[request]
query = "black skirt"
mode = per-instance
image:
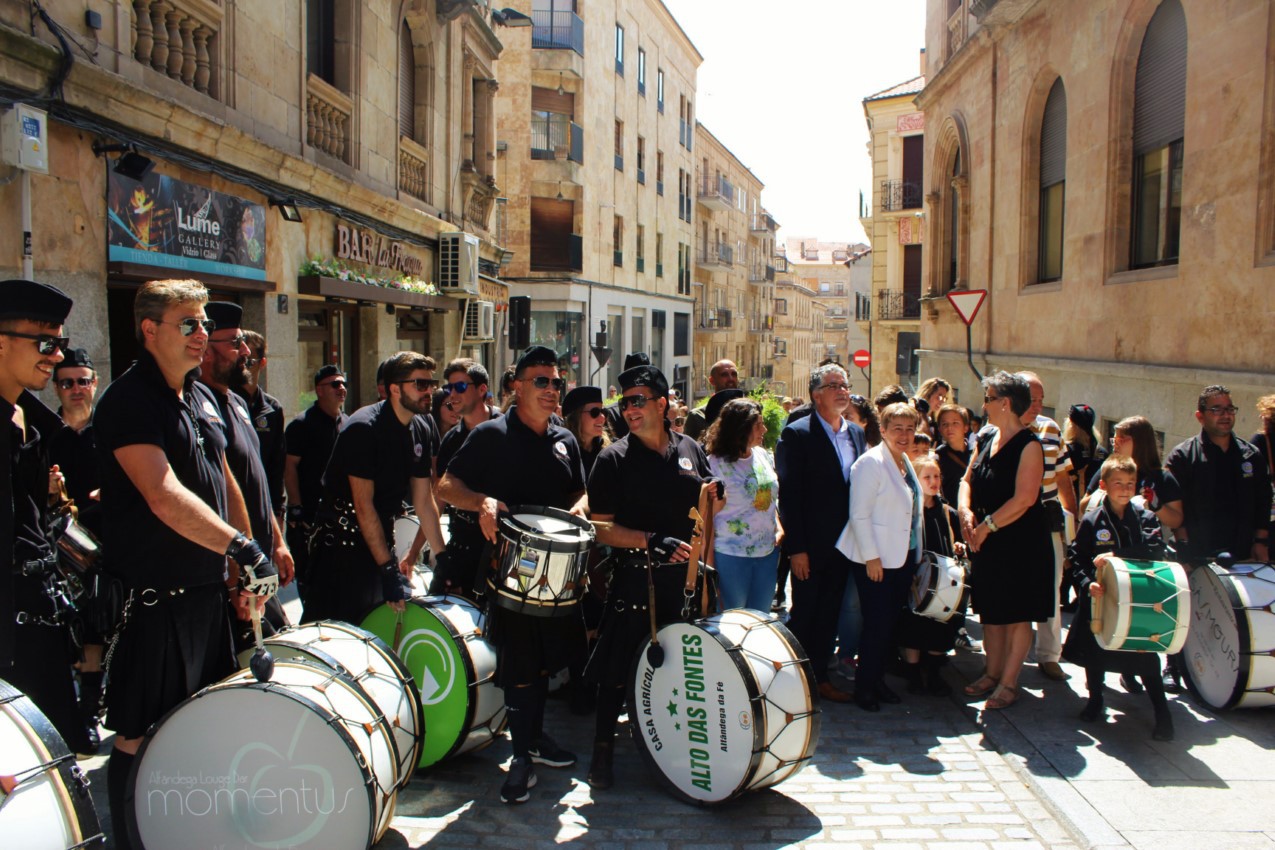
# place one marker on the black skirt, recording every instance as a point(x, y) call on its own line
point(529, 647)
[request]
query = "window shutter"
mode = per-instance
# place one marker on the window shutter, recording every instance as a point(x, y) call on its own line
point(1159, 108)
point(548, 100)
point(1053, 137)
point(406, 84)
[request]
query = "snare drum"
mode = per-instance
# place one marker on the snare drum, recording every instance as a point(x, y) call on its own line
point(405, 528)
point(48, 807)
point(541, 558)
point(440, 641)
point(303, 761)
point(1229, 659)
point(1144, 606)
point(941, 587)
point(733, 708)
point(366, 659)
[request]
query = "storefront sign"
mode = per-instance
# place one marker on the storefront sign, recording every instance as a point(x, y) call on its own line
point(162, 221)
point(366, 246)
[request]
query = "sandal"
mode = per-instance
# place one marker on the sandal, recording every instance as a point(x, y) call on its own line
point(1000, 703)
point(982, 686)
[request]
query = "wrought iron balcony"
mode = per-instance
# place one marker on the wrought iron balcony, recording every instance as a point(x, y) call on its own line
point(715, 254)
point(899, 195)
point(556, 133)
point(763, 223)
point(717, 193)
point(557, 30)
point(898, 305)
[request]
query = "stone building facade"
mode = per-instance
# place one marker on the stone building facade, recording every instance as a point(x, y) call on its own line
point(1106, 168)
point(831, 270)
point(800, 322)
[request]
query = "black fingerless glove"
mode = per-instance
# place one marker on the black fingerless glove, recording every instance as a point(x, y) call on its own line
point(661, 548)
point(394, 585)
point(256, 574)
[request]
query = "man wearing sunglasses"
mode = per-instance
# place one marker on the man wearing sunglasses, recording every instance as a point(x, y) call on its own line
point(35, 641)
point(645, 483)
point(309, 440)
point(380, 460)
point(173, 520)
point(521, 458)
point(466, 382)
point(723, 376)
point(223, 363)
point(267, 416)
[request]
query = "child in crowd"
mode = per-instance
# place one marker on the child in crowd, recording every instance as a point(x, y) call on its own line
point(1114, 526)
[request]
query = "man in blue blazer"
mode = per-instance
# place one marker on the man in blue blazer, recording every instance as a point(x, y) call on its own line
point(813, 459)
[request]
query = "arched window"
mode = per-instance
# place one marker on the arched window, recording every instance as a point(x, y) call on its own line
point(1053, 182)
point(1159, 116)
point(406, 83)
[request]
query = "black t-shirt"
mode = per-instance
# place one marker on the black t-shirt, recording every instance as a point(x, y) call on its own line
point(1157, 487)
point(952, 466)
point(243, 456)
point(310, 438)
point(139, 408)
point(504, 459)
point(647, 491)
point(375, 446)
point(29, 467)
point(1226, 495)
point(266, 414)
point(75, 454)
point(454, 439)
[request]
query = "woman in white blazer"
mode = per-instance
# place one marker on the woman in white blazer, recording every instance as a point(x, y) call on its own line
point(882, 540)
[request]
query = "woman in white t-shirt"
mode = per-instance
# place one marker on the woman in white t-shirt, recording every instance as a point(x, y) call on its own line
point(747, 532)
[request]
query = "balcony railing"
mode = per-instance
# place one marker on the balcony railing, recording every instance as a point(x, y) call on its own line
point(413, 169)
point(716, 254)
point(898, 305)
point(762, 324)
point(558, 30)
point(761, 274)
point(556, 134)
point(900, 195)
point(328, 113)
point(763, 223)
point(716, 192)
point(711, 319)
point(178, 38)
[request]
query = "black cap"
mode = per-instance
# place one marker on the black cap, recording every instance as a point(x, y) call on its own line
point(73, 357)
point(36, 302)
point(579, 397)
point(1082, 415)
point(645, 376)
point(327, 372)
point(715, 404)
point(637, 358)
point(226, 314)
point(537, 355)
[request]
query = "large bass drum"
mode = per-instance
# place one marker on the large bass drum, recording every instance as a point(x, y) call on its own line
point(440, 640)
point(733, 707)
point(44, 796)
point(1229, 657)
point(305, 760)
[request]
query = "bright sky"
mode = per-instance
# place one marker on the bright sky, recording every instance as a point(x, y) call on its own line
point(782, 86)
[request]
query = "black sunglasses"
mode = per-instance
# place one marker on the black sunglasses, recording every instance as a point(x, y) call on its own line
point(457, 387)
point(234, 341)
point(44, 343)
point(188, 325)
point(638, 401)
point(594, 412)
point(421, 384)
point(542, 382)
point(336, 385)
point(855, 398)
point(68, 383)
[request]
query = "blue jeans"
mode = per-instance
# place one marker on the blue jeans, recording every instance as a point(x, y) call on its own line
point(747, 582)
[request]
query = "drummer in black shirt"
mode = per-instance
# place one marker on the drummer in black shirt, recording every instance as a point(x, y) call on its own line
point(171, 517)
point(466, 383)
point(381, 458)
point(267, 416)
point(35, 643)
point(646, 484)
point(522, 458)
point(222, 367)
point(309, 439)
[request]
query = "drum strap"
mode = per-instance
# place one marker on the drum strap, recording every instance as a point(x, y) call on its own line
point(701, 547)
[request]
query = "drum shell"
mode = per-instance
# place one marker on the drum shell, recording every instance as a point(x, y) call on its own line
point(941, 588)
point(1142, 602)
point(1227, 660)
point(539, 573)
point(53, 810)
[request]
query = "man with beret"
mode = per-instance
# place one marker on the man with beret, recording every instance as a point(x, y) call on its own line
point(172, 517)
point(309, 439)
point(583, 413)
point(615, 418)
point(723, 376)
point(381, 459)
point(223, 365)
point(267, 416)
point(522, 458)
point(35, 640)
point(645, 485)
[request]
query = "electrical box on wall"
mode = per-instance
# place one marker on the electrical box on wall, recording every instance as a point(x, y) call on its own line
point(24, 138)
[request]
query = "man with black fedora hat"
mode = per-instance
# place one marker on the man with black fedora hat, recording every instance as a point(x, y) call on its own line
point(521, 458)
point(309, 439)
point(35, 645)
point(615, 419)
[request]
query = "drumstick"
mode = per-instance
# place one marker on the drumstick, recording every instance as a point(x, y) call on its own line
point(1095, 615)
point(262, 662)
point(602, 525)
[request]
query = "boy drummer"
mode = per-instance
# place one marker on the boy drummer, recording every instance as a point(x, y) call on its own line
point(1115, 526)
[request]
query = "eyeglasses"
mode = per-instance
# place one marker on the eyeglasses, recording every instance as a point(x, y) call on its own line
point(336, 385)
point(638, 401)
point(457, 387)
point(234, 342)
point(188, 325)
point(68, 383)
point(1218, 410)
point(251, 361)
point(542, 382)
point(44, 343)
point(421, 384)
point(841, 388)
point(594, 412)
point(679, 421)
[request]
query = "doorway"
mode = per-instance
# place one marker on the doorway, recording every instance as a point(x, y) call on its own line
point(328, 333)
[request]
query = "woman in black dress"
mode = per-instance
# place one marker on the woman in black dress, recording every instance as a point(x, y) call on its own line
point(1005, 526)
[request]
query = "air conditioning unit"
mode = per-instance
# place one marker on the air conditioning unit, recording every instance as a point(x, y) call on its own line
point(458, 263)
point(480, 321)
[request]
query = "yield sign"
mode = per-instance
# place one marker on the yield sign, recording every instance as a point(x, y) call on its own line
point(966, 303)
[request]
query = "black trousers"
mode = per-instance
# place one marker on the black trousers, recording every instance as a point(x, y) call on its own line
point(882, 605)
point(816, 607)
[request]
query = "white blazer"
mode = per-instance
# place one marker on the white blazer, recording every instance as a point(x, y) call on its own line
point(883, 513)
